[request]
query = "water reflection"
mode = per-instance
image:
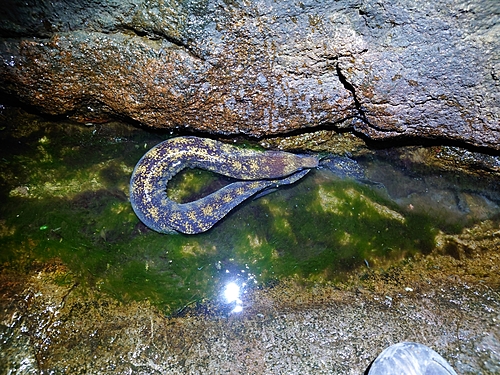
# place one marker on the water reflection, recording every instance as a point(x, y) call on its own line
point(66, 198)
point(232, 296)
point(235, 284)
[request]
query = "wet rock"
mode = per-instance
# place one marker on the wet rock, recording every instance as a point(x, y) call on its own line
point(94, 309)
point(385, 71)
point(329, 141)
point(439, 301)
point(451, 184)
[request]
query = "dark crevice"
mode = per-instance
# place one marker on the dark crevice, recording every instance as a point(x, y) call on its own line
point(140, 33)
point(406, 140)
point(352, 90)
point(337, 126)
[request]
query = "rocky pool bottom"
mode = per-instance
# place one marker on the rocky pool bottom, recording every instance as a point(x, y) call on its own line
point(449, 304)
point(331, 271)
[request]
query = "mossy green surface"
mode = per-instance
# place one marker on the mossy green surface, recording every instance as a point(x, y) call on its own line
point(64, 190)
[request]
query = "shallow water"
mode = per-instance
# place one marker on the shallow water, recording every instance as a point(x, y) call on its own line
point(64, 189)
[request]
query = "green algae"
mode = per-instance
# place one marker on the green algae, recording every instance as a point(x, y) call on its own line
point(65, 195)
point(298, 236)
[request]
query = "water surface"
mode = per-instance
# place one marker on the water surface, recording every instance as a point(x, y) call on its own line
point(64, 193)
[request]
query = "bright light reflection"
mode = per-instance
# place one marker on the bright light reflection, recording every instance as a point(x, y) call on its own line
point(237, 309)
point(232, 295)
point(232, 292)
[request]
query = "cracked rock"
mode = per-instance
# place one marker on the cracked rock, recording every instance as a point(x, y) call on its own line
point(384, 70)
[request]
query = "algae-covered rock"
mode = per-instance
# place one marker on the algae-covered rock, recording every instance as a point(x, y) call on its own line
point(330, 271)
point(48, 323)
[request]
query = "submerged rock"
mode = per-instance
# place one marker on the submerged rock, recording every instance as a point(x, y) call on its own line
point(331, 271)
point(262, 68)
point(439, 301)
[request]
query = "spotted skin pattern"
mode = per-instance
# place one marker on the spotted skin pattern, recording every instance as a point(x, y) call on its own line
point(256, 170)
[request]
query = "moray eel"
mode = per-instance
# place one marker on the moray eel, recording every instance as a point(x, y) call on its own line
point(255, 170)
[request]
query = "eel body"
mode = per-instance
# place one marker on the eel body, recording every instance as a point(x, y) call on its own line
point(254, 170)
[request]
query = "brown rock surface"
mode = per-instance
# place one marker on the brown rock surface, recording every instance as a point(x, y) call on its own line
point(260, 68)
